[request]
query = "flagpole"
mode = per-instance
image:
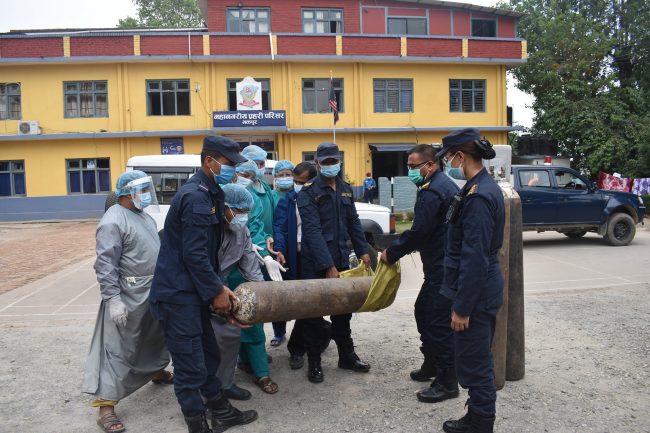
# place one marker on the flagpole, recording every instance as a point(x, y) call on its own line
point(333, 114)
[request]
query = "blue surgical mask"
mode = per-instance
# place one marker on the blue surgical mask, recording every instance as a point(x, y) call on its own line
point(142, 200)
point(226, 174)
point(241, 180)
point(455, 172)
point(239, 222)
point(415, 176)
point(330, 170)
point(297, 187)
point(260, 173)
point(284, 183)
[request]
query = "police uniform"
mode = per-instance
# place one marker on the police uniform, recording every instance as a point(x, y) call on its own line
point(329, 219)
point(474, 283)
point(185, 282)
point(432, 310)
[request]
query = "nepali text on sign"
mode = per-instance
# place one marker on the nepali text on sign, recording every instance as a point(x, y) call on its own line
point(239, 119)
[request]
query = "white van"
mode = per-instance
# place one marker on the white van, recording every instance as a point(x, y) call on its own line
point(170, 172)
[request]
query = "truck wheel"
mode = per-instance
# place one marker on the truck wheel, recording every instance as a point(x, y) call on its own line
point(373, 256)
point(620, 230)
point(575, 234)
point(111, 199)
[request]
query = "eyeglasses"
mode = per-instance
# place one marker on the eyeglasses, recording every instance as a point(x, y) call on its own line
point(447, 160)
point(411, 167)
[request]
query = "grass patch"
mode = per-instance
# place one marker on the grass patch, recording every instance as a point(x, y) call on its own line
point(402, 226)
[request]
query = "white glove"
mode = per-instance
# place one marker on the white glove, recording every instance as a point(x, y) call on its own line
point(117, 310)
point(273, 268)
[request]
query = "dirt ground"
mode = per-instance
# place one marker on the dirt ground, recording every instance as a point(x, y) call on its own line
point(31, 251)
point(587, 353)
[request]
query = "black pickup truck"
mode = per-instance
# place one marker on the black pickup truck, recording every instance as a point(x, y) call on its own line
point(555, 198)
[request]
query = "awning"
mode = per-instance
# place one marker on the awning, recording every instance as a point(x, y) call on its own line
point(391, 147)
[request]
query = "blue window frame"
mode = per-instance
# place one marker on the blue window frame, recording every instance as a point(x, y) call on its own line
point(12, 178)
point(88, 176)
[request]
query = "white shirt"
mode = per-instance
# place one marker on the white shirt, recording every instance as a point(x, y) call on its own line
point(298, 227)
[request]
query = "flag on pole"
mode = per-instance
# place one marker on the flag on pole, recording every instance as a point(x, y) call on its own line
point(334, 106)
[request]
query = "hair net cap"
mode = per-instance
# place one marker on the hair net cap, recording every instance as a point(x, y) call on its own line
point(124, 179)
point(247, 167)
point(237, 197)
point(282, 165)
point(254, 152)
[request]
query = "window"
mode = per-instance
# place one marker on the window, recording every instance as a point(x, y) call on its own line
point(266, 93)
point(9, 101)
point(242, 20)
point(467, 95)
point(315, 95)
point(12, 178)
point(534, 178)
point(322, 21)
point(569, 181)
point(407, 26)
point(85, 99)
point(393, 96)
point(484, 28)
point(168, 98)
point(88, 176)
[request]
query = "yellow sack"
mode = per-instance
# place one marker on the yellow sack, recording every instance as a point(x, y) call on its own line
point(384, 287)
point(359, 271)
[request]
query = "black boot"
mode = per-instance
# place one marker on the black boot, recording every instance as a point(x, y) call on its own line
point(444, 387)
point(314, 369)
point(481, 424)
point(428, 369)
point(458, 425)
point(224, 415)
point(296, 361)
point(349, 360)
point(197, 424)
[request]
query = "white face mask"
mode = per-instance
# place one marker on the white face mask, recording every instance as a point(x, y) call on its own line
point(241, 180)
point(297, 187)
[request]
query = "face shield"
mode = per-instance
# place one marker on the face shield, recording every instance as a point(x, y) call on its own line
point(143, 194)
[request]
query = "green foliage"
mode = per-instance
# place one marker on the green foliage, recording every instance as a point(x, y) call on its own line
point(165, 13)
point(589, 72)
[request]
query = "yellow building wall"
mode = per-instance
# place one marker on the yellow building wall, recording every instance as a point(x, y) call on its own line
point(42, 99)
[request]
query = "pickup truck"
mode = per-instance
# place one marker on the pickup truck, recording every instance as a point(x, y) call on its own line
point(170, 172)
point(555, 198)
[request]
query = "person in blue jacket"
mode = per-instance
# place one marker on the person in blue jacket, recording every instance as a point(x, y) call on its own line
point(329, 219)
point(473, 280)
point(287, 231)
point(186, 284)
point(369, 188)
point(427, 235)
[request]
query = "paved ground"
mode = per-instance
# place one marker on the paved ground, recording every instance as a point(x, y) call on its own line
point(587, 363)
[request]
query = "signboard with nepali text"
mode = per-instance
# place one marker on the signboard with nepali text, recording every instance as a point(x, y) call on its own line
point(252, 118)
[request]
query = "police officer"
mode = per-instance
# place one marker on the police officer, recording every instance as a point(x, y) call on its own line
point(473, 280)
point(329, 220)
point(186, 283)
point(427, 235)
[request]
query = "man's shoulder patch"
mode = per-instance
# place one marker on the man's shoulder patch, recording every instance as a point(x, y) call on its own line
point(203, 188)
point(346, 194)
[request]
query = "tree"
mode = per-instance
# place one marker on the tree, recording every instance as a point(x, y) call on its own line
point(589, 72)
point(164, 13)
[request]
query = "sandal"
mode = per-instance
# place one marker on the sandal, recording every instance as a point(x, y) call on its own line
point(277, 340)
point(108, 421)
point(267, 385)
point(163, 377)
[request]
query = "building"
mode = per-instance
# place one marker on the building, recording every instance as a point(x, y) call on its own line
point(76, 104)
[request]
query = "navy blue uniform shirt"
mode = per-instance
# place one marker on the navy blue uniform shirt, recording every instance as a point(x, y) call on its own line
point(473, 277)
point(187, 267)
point(329, 220)
point(428, 232)
point(285, 233)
